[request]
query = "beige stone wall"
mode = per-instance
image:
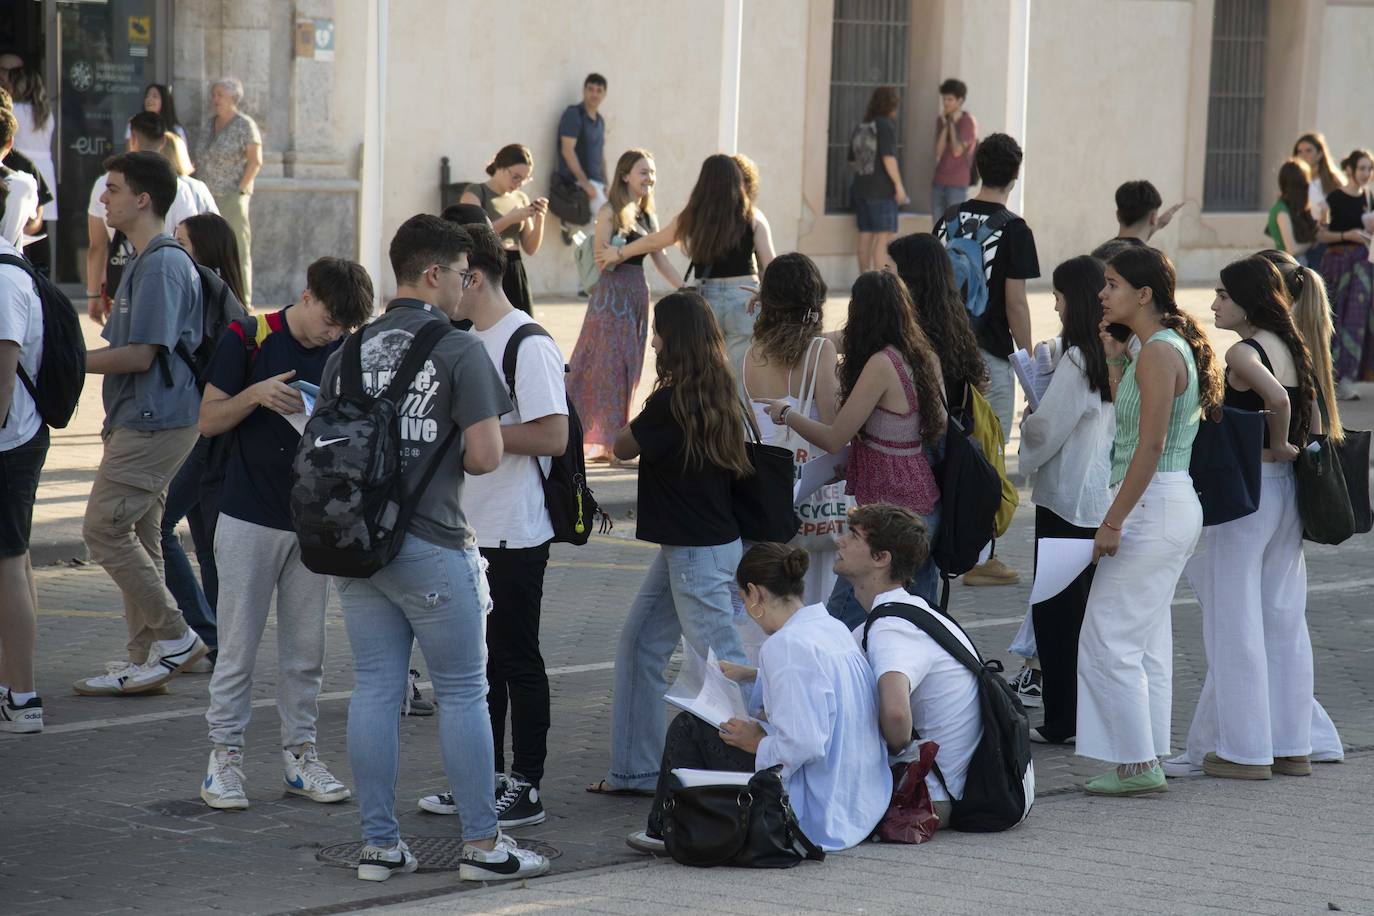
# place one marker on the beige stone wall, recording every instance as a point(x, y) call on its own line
point(1345, 112)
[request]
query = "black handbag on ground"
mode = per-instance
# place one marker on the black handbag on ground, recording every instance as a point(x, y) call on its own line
point(762, 501)
point(750, 826)
point(1225, 466)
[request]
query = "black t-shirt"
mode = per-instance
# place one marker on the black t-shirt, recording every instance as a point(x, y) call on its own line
point(684, 508)
point(1008, 254)
point(1346, 210)
point(21, 163)
point(879, 184)
point(257, 480)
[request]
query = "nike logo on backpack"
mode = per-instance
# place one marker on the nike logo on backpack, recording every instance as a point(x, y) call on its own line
point(321, 442)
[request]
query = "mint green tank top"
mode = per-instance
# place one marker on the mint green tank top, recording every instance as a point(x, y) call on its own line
point(1183, 418)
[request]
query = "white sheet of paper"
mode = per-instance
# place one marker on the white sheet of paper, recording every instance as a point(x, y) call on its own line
point(703, 689)
point(692, 778)
point(298, 420)
point(1058, 562)
point(1023, 364)
point(818, 472)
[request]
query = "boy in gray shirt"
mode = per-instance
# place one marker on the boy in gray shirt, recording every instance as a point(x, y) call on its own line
point(151, 406)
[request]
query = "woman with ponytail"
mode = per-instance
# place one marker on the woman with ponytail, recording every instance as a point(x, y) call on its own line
point(1125, 650)
point(1256, 713)
point(518, 220)
point(1312, 318)
point(822, 713)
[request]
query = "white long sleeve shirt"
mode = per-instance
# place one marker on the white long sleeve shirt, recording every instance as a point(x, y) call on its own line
point(1067, 444)
point(820, 699)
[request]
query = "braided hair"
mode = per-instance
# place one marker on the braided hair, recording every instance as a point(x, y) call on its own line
point(1143, 266)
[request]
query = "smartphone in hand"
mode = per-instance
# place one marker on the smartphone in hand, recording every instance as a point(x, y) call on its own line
point(305, 387)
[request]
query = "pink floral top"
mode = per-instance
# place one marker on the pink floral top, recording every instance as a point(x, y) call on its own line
point(887, 460)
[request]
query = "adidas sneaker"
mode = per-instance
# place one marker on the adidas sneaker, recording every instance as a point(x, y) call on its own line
point(24, 719)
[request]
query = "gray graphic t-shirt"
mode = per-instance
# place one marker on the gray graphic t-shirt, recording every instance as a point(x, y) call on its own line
point(158, 302)
point(456, 385)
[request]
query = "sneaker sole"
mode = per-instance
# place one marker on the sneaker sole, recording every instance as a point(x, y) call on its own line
point(223, 804)
point(523, 821)
point(157, 689)
point(382, 872)
point(470, 872)
point(321, 797)
point(21, 727)
point(431, 808)
point(1236, 771)
point(646, 848)
point(1163, 787)
point(1030, 702)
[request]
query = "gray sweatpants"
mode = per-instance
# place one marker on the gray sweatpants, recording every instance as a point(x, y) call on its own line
point(253, 561)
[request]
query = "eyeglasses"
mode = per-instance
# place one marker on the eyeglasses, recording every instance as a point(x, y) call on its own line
point(466, 275)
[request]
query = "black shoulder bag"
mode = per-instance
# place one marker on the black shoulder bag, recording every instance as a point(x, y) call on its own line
point(750, 826)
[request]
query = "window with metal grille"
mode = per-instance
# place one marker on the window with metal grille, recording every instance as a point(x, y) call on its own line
point(868, 50)
point(1235, 106)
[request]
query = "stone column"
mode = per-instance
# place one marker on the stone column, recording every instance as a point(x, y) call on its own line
point(311, 151)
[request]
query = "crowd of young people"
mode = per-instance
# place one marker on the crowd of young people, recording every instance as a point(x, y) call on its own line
point(1110, 446)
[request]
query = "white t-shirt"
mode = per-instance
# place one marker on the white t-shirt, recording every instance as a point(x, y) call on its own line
point(21, 205)
point(944, 694)
point(193, 198)
point(21, 320)
point(506, 507)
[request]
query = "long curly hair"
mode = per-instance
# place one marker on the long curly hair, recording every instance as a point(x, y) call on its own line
point(925, 268)
point(1079, 280)
point(1142, 266)
point(691, 361)
point(1256, 285)
point(718, 213)
point(1312, 318)
point(791, 308)
point(881, 315)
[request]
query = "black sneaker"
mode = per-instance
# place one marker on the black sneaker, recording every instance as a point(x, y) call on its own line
point(415, 703)
point(26, 719)
point(519, 805)
point(443, 802)
point(1030, 687)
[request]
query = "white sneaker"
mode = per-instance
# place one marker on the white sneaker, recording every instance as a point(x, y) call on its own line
point(200, 666)
point(504, 863)
point(306, 775)
point(640, 841)
point(24, 720)
point(223, 785)
point(1180, 767)
point(376, 863)
point(166, 659)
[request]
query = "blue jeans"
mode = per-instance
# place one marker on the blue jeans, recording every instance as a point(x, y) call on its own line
point(844, 606)
point(435, 596)
point(729, 303)
point(197, 605)
point(686, 592)
point(944, 196)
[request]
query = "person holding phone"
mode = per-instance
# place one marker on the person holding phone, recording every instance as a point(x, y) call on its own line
point(517, 219)
point(251, 391)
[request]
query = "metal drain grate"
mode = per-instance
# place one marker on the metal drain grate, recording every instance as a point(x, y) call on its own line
point(435, 853)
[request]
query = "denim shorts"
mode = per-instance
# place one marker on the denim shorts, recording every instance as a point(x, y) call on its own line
point(876, 214)
point(20, 468)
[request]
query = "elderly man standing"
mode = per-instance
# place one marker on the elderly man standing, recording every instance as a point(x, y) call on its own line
point(229, 159)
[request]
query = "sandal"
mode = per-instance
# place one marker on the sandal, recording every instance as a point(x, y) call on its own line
point(602, 787)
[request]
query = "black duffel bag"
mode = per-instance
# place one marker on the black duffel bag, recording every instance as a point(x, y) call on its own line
point(751, 826)
point(568, 201)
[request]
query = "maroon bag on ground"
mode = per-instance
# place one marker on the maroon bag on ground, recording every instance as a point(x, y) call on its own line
point(910, 816)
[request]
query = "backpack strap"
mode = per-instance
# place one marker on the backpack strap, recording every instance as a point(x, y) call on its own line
point(512, 352)
point(925, 621)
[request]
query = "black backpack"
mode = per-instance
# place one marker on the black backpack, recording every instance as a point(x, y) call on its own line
point(219, 307)
point(62, 368)
point(1000, 786)
point(349, 507)
point(970, 495)
point(572, 507)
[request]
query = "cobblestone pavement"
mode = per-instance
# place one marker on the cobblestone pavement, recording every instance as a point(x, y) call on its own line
point(101, 812)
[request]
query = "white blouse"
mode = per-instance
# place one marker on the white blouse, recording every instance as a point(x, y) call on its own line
point(1067, 443)
point(820, 699)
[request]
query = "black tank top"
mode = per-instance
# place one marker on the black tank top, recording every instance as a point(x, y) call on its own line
point(737, 262)
point(1250, 400)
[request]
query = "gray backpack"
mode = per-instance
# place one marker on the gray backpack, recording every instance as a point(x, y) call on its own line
point(349, 507)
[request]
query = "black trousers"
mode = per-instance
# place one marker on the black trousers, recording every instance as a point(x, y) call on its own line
point(696, 745)
point(515, 667)
point(1057, 622)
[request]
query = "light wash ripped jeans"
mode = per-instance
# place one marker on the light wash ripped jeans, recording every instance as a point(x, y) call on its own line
point(435, 596)
point(686, 592)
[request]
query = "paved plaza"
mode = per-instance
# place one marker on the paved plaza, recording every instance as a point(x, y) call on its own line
point(101, 813)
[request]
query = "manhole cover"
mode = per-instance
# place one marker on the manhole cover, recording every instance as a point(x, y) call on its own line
point(435, 853)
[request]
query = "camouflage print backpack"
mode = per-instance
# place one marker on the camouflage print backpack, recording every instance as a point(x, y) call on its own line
point(348, 501)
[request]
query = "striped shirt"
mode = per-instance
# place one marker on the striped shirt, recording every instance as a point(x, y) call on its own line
point(1183, 418)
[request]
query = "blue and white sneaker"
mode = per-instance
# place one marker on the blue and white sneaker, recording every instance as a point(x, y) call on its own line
point(306, 775)
point(377, 863)
point(166, 659)
point(222, 787)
